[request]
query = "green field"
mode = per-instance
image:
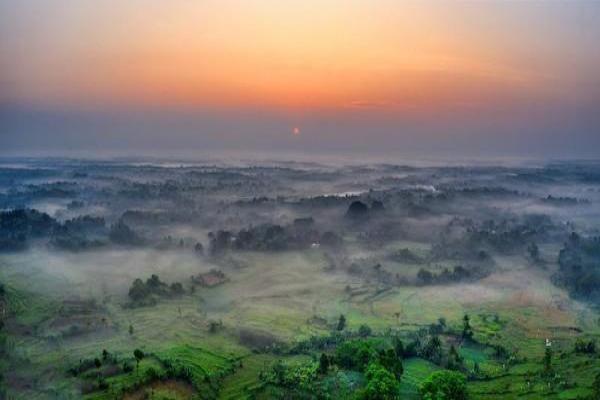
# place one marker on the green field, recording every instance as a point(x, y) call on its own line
point(279, 299)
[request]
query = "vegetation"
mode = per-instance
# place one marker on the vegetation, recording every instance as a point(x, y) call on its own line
point(145, 293)
point(117, 289)
point(444, 385)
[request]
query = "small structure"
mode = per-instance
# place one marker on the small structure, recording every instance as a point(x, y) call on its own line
point(212, 278)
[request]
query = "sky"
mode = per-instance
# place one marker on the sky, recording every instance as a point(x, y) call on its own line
point(514, 78)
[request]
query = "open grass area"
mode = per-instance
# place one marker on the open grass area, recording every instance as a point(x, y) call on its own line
point(415, 371)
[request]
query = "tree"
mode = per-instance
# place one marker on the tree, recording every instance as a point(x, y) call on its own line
point(381, 383)
point(177, 288)
point(139, 355)
point(476, 369)
point(323, 363)
point(444, 385)
point(97, 363)
point(534, 252)
point(585, 347)
point(398, 347)
point(355, 354)
point(425, 277)
point(357, 209)
point(548, 360)
point(390, 361)
point(467, 332)
point(138, 290)
point(341, 323)
point(364, 330)
point(433, 349)
point(455, 361)
point(105, 354)
point(596, 386)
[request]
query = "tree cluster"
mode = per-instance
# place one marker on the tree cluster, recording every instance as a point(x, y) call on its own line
point(145, 293)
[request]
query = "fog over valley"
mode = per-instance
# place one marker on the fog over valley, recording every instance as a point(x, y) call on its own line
point(125, 278)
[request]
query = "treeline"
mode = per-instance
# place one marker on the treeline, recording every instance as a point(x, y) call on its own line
point(20, 228)
point(272, 237)
point(457, 274)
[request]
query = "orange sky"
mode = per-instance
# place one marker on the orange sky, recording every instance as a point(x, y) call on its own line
point(506, 76)
point(281, 54)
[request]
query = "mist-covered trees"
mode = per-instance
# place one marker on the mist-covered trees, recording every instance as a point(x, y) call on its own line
point(579, 268)
point(145, 293)
point(457, 274)
point(357, 210)
point(271, 237)
point(120, 233)
point(17, 227)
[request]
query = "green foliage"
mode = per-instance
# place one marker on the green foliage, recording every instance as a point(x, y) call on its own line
point(294, 376)
point(355, 354)
point(432, 350)
point(381, 383)
point(444, 385)
point(390, 361)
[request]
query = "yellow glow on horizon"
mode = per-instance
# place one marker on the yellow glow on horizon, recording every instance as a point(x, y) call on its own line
point(281, 54)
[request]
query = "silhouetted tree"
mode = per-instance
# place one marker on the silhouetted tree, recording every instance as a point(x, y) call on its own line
point(364, 330)
point(139, 355)
point(323, 363)
point(341, 323)
point(548, 360)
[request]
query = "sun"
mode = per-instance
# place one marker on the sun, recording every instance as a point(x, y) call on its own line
point(296, 131)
